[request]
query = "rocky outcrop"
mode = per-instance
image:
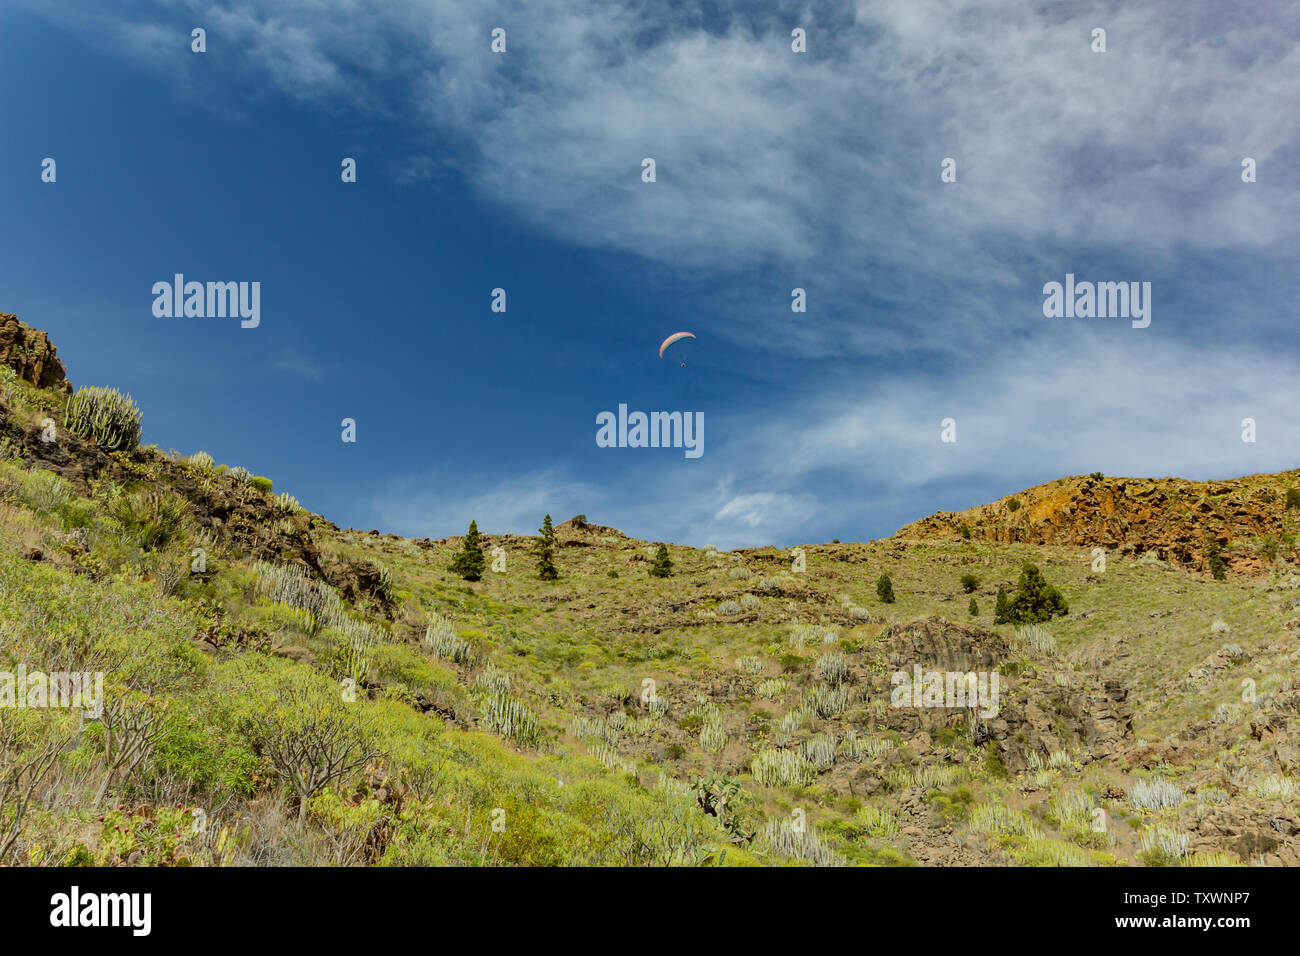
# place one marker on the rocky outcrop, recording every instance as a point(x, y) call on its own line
point(31, 354)
point(1174, 518)
point(1088, 716)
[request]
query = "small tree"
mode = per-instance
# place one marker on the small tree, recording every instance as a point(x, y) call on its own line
point(546, 569)
point(1000, 605)
point(469, 562)
point(663, 566)
point(885, 589)
point(1215, 557)
point(311, 738)
point(1034, 602)
point(974, 608)
point(969, 582)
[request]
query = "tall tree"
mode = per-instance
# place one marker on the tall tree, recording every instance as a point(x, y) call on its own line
point(469, 562)
point(546, 569)
point(663, 566)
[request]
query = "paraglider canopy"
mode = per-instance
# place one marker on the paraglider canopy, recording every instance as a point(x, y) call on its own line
point(675, 337)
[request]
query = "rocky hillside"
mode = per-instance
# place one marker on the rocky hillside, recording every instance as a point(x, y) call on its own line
point(741, 710)
point(31, 355)
point(1171, 519)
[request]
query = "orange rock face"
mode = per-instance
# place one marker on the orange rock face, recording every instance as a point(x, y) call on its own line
point(31, 354)
point(1248, 517)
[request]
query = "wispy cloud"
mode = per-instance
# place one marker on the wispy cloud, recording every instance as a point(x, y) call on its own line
point(416, 169)
point(438, 505)
point(296, 365)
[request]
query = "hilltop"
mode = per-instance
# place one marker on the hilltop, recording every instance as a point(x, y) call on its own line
point(613, 717)
point(1171, 519)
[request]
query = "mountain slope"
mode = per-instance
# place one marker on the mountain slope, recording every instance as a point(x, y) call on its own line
point(613, 717)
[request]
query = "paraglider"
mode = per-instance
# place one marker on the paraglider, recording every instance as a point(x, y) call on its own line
point(675, 337)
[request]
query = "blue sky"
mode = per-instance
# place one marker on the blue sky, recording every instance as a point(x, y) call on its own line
point(775, 170)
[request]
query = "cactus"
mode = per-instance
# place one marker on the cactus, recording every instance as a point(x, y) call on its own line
point(202, 461)
point(446, 643)
point(782, 768)
point(833, 668)
point(493, 679)
point(819, 750)
point(805, 843)
point(1156, 795)
point(105, 416)
point(1039, 638)
point(713, 737)
point(506, 716)
point(828, 702)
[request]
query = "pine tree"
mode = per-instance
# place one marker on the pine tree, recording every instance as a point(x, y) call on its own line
point(469, 562)
point(663, 566)
point(1000, 606)
point(546, 569)
point(885, 589)
point(974, 608)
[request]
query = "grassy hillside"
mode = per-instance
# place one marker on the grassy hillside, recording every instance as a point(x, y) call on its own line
point(282, 691)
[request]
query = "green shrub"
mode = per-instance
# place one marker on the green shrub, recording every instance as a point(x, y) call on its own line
point(969, 582)
point(152, 520)
point(1214, 556)
point(974, 608)
point(885, 589)
point(1013, 504)
point(105, 416)
point(1034, 602)
point(260, 483)
point(1293, 498)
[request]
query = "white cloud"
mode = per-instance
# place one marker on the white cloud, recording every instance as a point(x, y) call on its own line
point(433, 505)
point(828, 160)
